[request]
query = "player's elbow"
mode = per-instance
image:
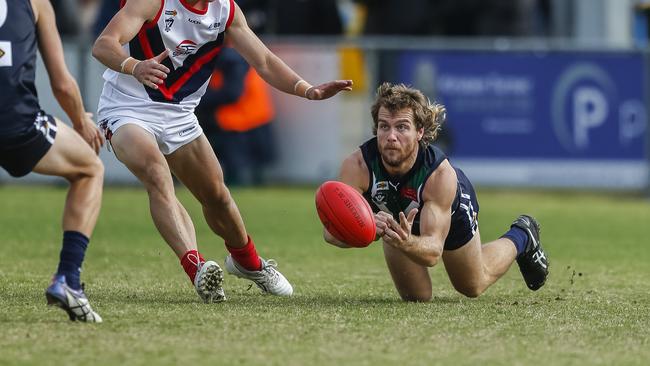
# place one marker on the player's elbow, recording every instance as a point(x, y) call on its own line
point(98, 47)
point(266, 66)
point(330, 239)
point(63, 86)
point(431, 260)
point(95, 51)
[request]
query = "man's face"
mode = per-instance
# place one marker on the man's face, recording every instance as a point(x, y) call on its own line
point(397, 136)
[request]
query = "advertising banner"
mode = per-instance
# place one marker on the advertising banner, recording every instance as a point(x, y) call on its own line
point(566, 111)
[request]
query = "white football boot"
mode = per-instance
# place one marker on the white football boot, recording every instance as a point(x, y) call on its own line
point(74, 302)
point(268, 279)
point(208, 282)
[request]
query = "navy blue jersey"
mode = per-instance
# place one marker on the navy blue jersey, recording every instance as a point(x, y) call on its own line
point(399, 194)
point(402, 194)
point(18, 99)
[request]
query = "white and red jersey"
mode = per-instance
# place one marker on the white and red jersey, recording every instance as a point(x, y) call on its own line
point(193, 37)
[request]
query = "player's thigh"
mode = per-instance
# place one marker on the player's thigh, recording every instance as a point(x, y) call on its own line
point(69, 156)
point(196, 165)
point(138, 150)
point(465, 264)
point(411, 279)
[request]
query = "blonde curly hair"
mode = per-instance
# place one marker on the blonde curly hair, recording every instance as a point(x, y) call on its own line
point(428, 116)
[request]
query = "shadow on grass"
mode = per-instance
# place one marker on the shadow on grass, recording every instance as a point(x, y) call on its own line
point(253, 298)
point(147, 298)
point(331, 300)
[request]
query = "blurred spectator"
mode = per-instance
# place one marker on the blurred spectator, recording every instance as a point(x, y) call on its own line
point(257, 14)
point(306, 17)
point(68, 20)
point(107, 9)
point(641, 28)
point(87, 13)
point(75, 17)
point(541, 18)
point(487, 17)
point(399, 17)
point(456, 17)
point(289, 17)
point(293, 17)
point(235, 114)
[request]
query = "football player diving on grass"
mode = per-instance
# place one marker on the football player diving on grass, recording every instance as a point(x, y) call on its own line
point(160, 55)
point(426, 209)
point(33, 141)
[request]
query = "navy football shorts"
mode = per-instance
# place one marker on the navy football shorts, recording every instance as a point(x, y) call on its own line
point(464, 219)
point(20, 152)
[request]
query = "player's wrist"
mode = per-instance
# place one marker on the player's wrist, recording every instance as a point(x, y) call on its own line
point(128, 65)
point(78, 125)
point(301, 88)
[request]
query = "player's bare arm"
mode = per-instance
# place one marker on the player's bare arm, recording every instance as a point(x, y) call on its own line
point(64, 86)
point(435, 220)
point(272, 69)
point(124, 26)
point(355, 174)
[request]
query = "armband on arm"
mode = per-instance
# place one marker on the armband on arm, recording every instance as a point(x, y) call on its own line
point(125, 68)
point(301, 88)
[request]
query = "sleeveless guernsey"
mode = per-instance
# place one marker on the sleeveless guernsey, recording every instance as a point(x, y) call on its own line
point(194, 38)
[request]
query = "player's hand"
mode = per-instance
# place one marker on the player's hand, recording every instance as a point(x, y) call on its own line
point(152, 72)
point(381, 223)
point(328, 90)
point(399, 234)
point(334, 241)
point(90, 132)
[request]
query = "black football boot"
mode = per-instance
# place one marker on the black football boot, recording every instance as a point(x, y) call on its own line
point(533, 263)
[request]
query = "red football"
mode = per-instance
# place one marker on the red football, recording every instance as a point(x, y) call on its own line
point(345, 214)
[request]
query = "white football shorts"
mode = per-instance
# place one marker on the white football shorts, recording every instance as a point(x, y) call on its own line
point(173, 125)
point(170, 135)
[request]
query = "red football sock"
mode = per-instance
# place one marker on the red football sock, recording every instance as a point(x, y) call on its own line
point(190, 263)
point(246, 256)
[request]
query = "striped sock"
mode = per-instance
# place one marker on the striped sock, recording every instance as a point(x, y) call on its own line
point(190, 262)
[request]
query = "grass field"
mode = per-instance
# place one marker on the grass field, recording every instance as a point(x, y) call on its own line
point(594, 310)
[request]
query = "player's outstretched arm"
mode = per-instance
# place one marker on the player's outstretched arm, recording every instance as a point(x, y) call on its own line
point(64, 86)
point(272, 69)
point(423, 249)
point(435, 220)
point(124, 26)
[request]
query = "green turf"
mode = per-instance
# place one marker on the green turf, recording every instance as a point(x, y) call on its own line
point(594, 310)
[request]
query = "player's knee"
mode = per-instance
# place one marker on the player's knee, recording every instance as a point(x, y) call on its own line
point(91, 168)
point(217, 196)
point(96, 168)
point(421, 297)
point(471, 291)
point(416, 295)
point(156, 179)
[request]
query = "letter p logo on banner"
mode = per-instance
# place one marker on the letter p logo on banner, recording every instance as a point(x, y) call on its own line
point(589, 111)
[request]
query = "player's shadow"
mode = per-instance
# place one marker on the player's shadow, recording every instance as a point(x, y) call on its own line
point(150, 297)
point(253, 296)
point(365, 300)
point(333, 300)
